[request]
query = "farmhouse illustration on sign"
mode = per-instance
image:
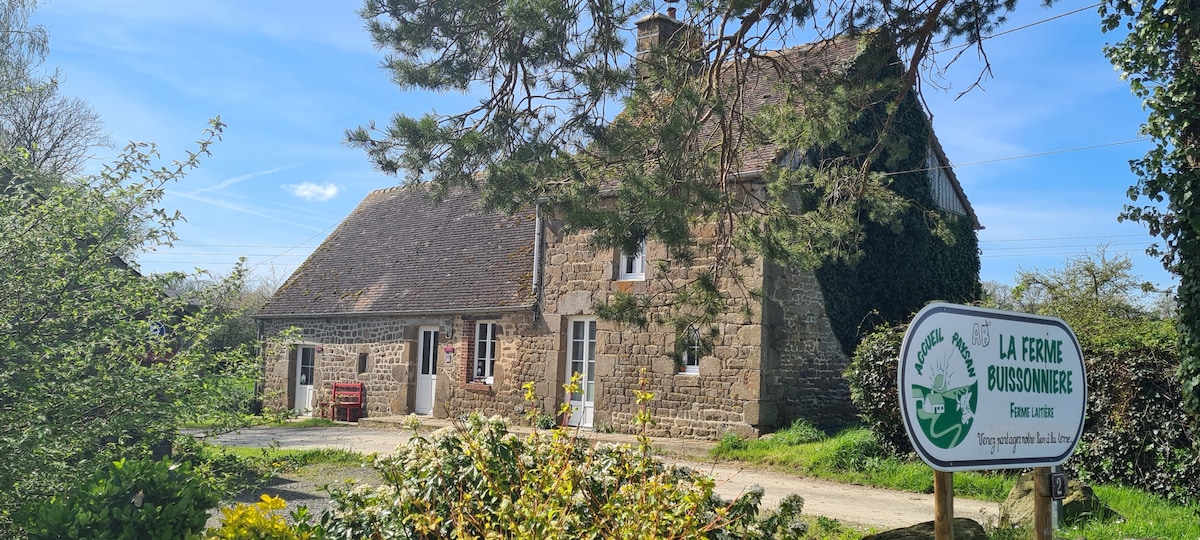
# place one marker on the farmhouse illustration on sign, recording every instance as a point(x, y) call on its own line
point(988, 389)
point(945, 426)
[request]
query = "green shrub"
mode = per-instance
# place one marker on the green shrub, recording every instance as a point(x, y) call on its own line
point(227, 472)
point(260, 521)
point(1137, 432)
point(545, 421)
point(730, 442)
point(478, 480)
point(141, 499)
point(872, 378)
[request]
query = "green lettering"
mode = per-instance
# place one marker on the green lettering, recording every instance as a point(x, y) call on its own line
point(931, 340)
point(963, 350)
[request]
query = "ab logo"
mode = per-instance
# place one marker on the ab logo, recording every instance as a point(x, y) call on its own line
point(945, 409)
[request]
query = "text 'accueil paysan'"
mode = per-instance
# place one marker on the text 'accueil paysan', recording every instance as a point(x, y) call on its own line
point(987, 389)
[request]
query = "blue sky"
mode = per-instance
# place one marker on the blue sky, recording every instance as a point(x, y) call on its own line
point(1041, 148)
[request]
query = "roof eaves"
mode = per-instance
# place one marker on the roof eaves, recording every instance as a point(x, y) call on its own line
point(400, 313)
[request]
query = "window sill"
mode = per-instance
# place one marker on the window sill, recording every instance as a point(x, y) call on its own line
point(478, 386)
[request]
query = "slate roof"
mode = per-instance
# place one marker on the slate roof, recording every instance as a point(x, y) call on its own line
point(764, 78)
point(763, 87)
point(399, 253)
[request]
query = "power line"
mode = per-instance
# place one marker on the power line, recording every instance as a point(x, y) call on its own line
point(301, 244)
point(1065, 238)
point(1064, 246)
point(1035, 23)
point(1011, 158)
point(1082, 250)
point(1051, 152)
point(1022, 27)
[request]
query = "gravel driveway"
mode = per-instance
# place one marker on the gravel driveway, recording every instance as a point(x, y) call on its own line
point(873, 507)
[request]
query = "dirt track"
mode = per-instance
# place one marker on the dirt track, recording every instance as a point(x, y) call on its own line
point(880, 508)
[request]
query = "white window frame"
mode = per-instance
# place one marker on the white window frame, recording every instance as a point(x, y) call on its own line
point(485, 352)
point(632, 267)
point(690, 353)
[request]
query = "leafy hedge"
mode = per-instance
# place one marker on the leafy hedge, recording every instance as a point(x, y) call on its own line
point(142, 499)
point(1136, 431)
point(477, 480)
point(872, 377)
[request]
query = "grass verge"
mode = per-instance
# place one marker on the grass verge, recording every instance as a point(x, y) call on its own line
point(1146, 516)
point(272, 422)
point(853, 456)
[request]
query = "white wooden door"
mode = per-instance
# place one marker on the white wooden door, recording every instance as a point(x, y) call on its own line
point(581, 360)
point(427, 357)
point(306, 369)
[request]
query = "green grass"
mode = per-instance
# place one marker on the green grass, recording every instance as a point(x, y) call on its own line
point(291, 458)
point(853, 456)
point(308, 423)
point(283, 423)
point(1146, 516)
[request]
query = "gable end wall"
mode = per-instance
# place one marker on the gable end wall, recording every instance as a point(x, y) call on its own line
point(803, 366)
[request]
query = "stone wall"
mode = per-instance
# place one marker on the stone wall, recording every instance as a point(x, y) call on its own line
point(804, 362)
point(722, 398)
point(389, 342)
point(519, 339)
point(391, 345)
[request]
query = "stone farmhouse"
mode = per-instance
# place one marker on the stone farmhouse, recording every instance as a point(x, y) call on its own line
point(443, 309)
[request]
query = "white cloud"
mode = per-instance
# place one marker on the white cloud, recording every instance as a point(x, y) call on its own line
point(313, 192)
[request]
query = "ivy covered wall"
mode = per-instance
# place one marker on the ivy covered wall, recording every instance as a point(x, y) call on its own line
point(903, 265)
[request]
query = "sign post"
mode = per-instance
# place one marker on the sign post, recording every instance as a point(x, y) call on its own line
point(943, 505)
point(988, 389)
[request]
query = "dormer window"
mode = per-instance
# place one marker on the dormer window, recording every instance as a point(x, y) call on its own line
point(632, 266)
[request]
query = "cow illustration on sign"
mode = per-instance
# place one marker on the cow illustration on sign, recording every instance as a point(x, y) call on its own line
point(944, 411)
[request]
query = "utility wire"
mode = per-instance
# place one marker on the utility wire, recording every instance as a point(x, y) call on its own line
point(1051, 152)
point(1022, 156)
point(1065, 238)
point(298, 246)
point(1022, 27)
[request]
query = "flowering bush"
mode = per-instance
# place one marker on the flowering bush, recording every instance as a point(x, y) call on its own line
point(260, 521)
point(477, 480)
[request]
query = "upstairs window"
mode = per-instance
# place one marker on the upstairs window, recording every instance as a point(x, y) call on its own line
point(485, 353)
point(632, 266)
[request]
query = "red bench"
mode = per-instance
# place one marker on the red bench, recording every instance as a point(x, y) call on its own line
point(347, 401)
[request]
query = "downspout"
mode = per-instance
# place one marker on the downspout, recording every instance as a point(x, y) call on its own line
point(537, 258)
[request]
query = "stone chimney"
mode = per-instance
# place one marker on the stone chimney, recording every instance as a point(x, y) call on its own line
point(657, 30)
point(679, 41)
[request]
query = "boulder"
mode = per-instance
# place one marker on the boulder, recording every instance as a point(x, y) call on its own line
point(1081, 504)
point(964, 529)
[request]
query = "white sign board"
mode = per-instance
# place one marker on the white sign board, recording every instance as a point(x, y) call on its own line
point(987, 389)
